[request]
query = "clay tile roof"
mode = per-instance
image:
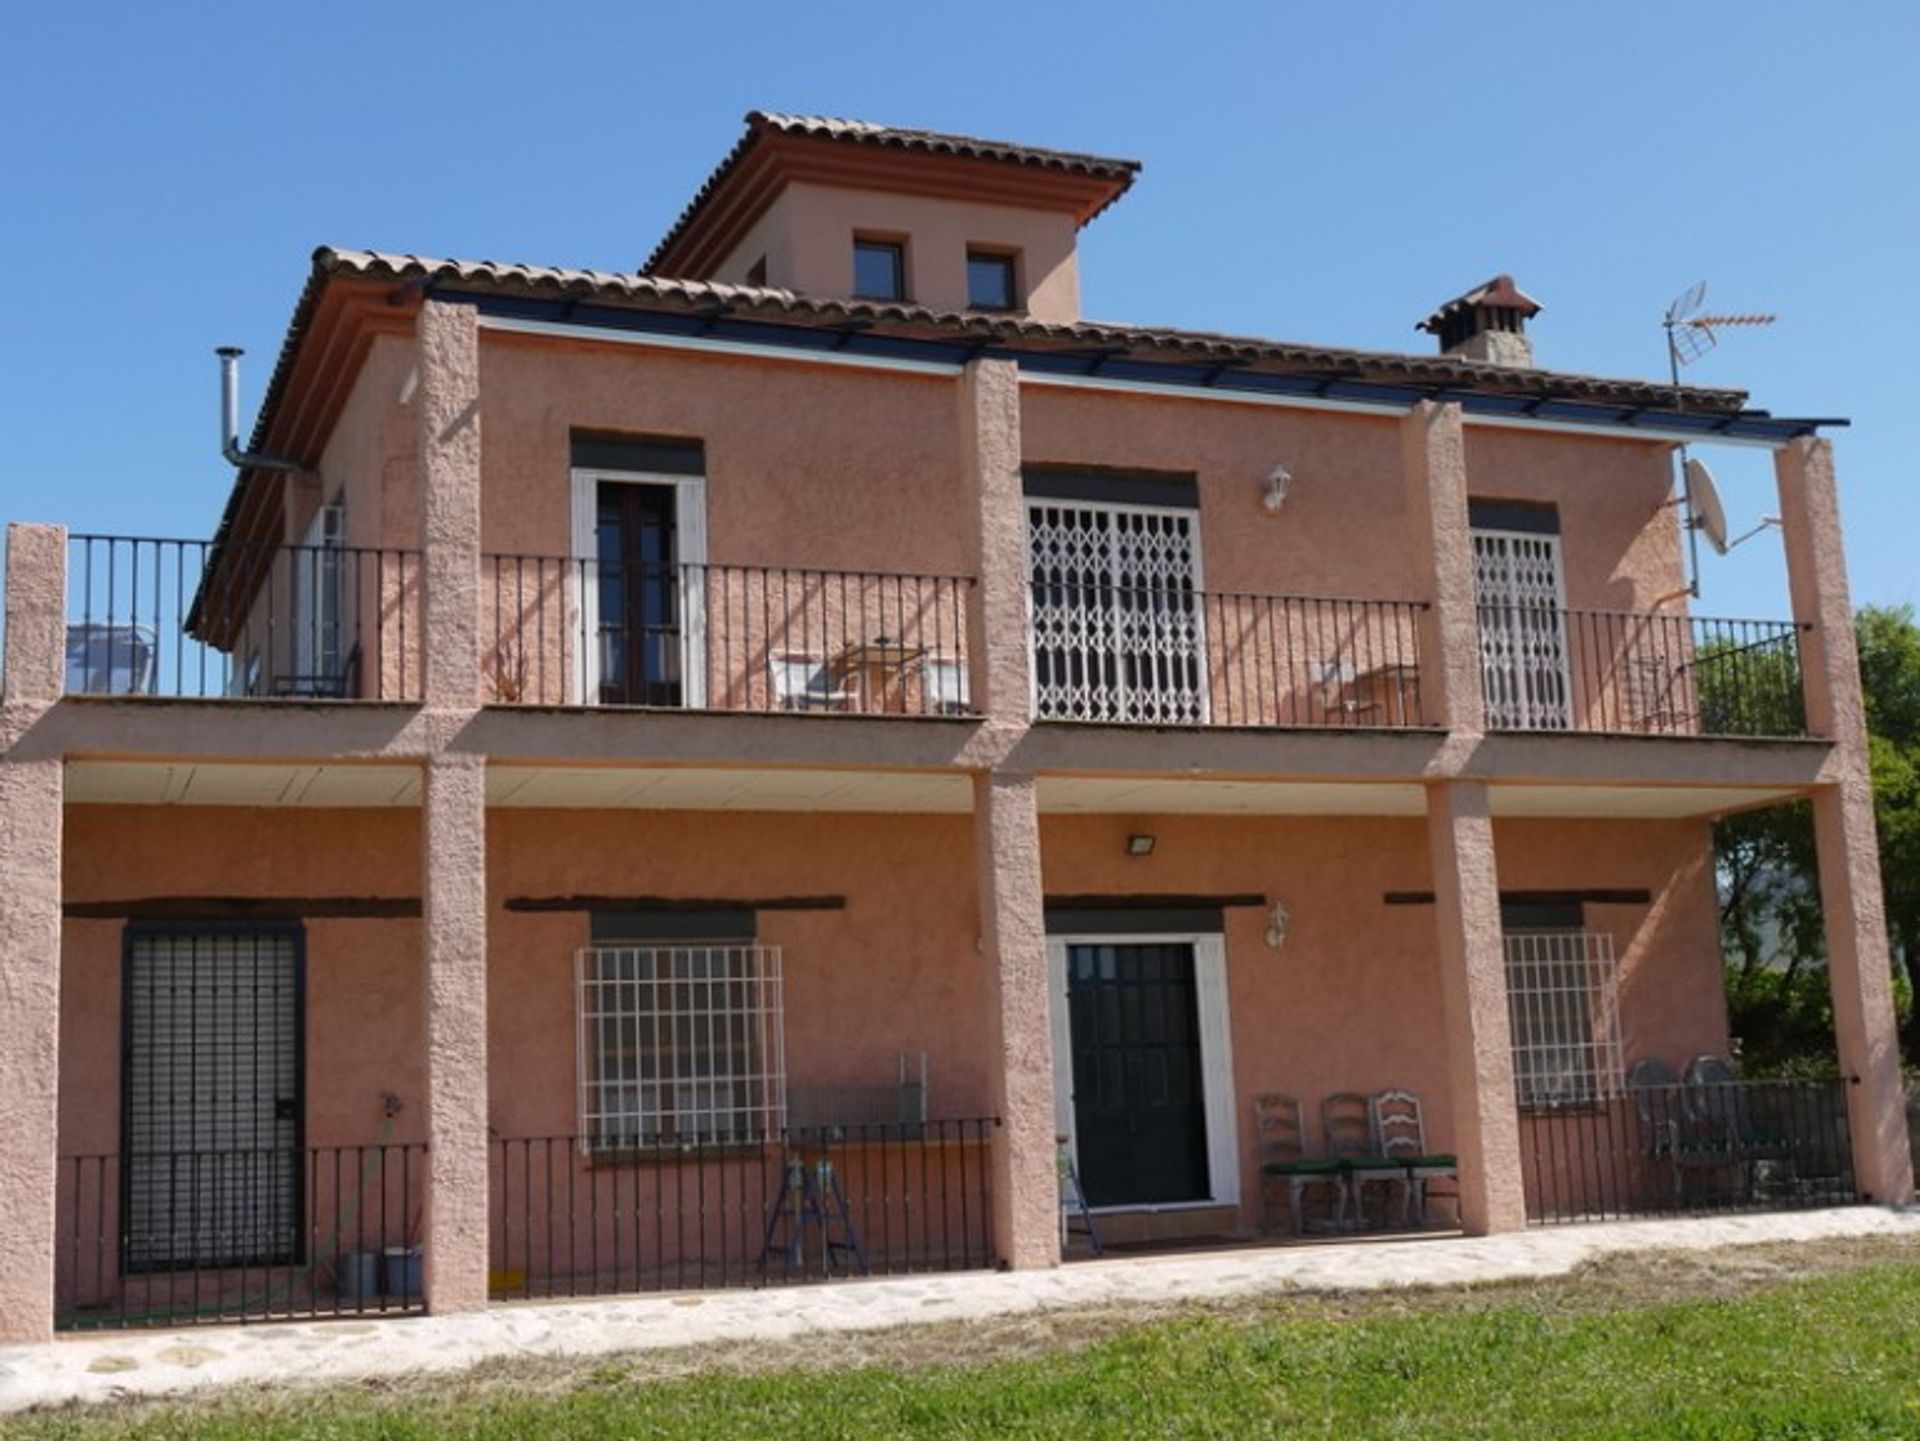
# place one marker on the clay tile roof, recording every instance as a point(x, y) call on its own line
point(1499, 291)
point(866, 132)
point(658, 292)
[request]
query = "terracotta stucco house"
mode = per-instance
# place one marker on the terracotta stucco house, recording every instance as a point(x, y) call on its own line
point(700, 775)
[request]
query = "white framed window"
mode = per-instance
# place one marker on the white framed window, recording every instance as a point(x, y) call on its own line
point(597, 635)
point(317, 603)
point(1116, 622)
point(1563, 1006)
point(680, 1045)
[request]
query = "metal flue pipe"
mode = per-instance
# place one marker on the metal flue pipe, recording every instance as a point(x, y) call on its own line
point(230, 417)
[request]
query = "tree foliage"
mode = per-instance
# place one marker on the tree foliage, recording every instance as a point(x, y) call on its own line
point(1770, 924)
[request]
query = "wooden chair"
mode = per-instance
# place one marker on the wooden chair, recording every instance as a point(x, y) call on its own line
point(1400, 1131)
point(1346, 1119)
point(1281, 1137)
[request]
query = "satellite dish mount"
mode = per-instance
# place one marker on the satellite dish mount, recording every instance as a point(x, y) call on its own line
point(1690, 335)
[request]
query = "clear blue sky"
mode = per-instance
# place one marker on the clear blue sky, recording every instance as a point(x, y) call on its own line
point(1313, 172)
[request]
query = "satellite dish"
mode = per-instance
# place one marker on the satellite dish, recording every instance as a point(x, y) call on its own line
point(1703, 504)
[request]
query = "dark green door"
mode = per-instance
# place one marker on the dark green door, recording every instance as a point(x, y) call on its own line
point(1138, 1107)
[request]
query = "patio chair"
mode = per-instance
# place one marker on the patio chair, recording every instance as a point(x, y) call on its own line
point(1401, 1132)
point(1281, 1136)
point(1721, 1126)
point(801, 682)
point(1346, 1120)
point(1665, 1122)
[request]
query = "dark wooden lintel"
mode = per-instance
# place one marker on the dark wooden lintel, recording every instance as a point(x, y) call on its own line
point(1154, 903)
point(1537, 898)
point(674, 903)
point(247, 908)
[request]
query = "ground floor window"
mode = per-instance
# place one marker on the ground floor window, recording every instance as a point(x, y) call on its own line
point(680, 1045)
point(1564, 1012)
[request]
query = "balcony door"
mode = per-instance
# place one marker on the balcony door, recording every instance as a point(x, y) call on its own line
point(639, 545)
point(1521, 596)
point(1117, 631)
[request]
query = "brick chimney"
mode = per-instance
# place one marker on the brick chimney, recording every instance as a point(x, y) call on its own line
point(1488, 323)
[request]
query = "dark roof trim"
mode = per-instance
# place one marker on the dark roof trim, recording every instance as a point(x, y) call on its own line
point(1202, 377)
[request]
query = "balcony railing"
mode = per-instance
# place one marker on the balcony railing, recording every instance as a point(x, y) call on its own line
point(1688, 1149)
point(149, 617)
point(1639, 674)
point(562, 632)
point(1164, 656)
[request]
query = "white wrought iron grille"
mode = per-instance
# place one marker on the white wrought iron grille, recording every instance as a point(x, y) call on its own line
point(1117, 632)
point(680, 1045)
point(1523, 630)
point(1563, 1005)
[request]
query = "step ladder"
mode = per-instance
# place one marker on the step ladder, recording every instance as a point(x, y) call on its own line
point(1073, 1201)
point(811, 1200)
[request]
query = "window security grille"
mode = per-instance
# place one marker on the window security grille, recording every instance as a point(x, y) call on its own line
point(1117, 629)
point(1563, 1003)
point(1523, 630)
point(680, 1045)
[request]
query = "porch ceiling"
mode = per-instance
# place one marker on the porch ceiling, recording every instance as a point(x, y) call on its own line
point(157, 783)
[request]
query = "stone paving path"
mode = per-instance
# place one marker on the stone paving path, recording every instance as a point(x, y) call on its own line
point(156, 1363)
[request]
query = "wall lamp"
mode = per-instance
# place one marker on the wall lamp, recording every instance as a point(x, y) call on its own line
point(1279, 922)
point(1140, 845)
point(1279, 482)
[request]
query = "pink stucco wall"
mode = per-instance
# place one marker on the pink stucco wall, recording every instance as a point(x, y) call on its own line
point(1349, 1004)
point(807, 237)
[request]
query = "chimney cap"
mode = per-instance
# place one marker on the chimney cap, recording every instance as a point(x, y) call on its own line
point(1498, 293)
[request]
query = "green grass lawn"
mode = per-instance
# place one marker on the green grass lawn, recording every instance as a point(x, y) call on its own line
point(1833, 1355)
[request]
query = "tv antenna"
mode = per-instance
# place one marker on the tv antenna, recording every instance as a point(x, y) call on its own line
point(1690, 335)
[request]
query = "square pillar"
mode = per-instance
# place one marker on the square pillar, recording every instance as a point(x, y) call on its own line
point(31, 819)
point(1852, 906)
point(1473, 984)
point(454, 893)
point(1433, 457)
point(30, 836)
point(449, 398)
point(1013, 942)
point(996, 516)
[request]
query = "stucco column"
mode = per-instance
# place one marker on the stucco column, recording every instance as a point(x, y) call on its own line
point(1002, 664)
point(1473, 987)
point(1853, 910)
point(449, 338)
point(1013, 941)
point(30, 838)
point(454, 892)
point(1434, 470)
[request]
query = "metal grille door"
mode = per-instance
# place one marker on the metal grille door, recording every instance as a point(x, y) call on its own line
point(1117, 632)
point(212, 1097)
point(1523, 630)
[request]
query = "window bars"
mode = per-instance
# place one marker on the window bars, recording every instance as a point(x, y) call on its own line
point(1563, 1004)
point(680, 1045)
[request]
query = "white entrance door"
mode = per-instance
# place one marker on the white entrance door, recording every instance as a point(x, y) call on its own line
point(1522, 602)
point(1143, 1068)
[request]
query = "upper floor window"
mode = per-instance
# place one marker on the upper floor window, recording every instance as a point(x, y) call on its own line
point(990, 281)
point(879, 270)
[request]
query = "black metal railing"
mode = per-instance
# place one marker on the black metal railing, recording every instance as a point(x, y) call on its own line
point(810, 1204)
point(218, 1237)
point(180, 618)
point(1688, 1149)
point(724, 637)
point(1641, 674)
point(1164, 656)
